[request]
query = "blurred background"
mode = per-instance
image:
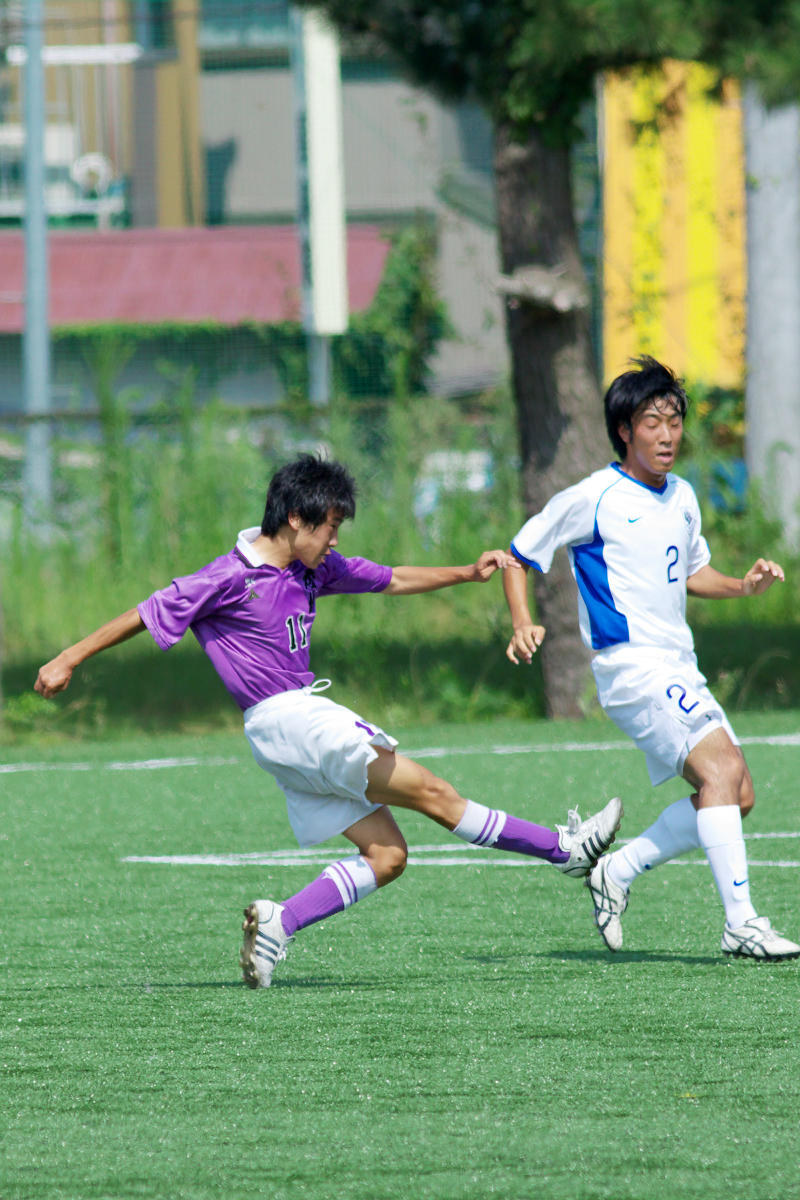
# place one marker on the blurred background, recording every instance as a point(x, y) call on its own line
point(178, 356)
point(170, 128)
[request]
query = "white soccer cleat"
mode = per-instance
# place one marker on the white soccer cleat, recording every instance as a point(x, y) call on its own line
point(757, 939)
point(610, 902)
point(264, 942)
point(586, 840)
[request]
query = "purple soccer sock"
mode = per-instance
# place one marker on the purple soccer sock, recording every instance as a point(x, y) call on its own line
point(320, 899)
point(340, 885)
point(490, 827)
point(526, 838)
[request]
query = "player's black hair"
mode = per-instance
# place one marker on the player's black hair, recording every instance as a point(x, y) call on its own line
point(634, 388)
point(308, 486)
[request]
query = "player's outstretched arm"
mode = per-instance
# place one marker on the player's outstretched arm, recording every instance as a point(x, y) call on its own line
point(710, 584)
point(54, 676)
point(527, 636)
point(408, 581)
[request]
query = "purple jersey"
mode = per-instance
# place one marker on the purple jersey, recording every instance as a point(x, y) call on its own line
point(254, 620)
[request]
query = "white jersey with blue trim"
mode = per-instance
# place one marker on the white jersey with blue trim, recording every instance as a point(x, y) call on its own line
point(631, 548)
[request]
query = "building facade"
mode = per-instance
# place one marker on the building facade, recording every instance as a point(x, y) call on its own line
point(164, 115)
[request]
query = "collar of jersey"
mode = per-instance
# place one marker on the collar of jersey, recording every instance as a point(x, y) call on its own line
point(244, 547)
point(658, 490)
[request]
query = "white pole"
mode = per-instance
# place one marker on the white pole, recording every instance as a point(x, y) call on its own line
point(320, 190)
point(772, 396)
point(37, 483)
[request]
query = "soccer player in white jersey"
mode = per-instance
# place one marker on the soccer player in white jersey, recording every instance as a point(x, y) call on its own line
point(252, 611)
point(632, 532)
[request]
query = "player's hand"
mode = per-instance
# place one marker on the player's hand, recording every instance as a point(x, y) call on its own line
point(53, 677)
point(491, 561)
point(761, 576)
point(524, 643)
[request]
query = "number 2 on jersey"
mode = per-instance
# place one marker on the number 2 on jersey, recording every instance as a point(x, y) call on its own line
point(672, 563)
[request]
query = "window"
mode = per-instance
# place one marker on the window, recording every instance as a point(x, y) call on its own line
point(154, 24)
point(227, 25)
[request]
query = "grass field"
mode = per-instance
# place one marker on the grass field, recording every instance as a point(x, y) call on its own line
point(462, 1034)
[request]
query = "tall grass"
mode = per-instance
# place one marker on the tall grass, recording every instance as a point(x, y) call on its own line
point(187, 480)
point(188, 484)
point(191, 479)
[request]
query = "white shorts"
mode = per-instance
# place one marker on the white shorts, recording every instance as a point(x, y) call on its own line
point(661, 701)
point(318, 752)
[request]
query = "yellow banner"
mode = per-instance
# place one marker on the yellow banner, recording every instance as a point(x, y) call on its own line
point(674, 222)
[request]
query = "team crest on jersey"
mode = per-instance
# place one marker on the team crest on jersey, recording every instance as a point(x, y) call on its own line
point(311, 589)
point(687, 516)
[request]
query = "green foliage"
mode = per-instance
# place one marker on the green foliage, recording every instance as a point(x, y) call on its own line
point(749, 648)
point(106, 354)
point(534, 62)
point(715, 420)
point(194, 477)
point(734, 520)
point(205, 343)
point(193, 480)
point(769, 53)
point(385, 352)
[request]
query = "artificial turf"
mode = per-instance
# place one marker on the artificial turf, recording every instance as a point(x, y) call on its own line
point(463, 1033)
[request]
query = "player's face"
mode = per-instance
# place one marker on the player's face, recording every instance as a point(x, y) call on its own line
point(314, 542)
point(652, 440)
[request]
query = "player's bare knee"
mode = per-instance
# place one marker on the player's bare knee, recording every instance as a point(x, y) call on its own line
point(388, 863)
point(730, 774)
point(747, 795)
point(722, 780)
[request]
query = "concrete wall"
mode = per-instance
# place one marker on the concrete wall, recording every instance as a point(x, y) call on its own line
point(401, 148)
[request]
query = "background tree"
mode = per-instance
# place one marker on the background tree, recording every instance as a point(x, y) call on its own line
point(532, 64)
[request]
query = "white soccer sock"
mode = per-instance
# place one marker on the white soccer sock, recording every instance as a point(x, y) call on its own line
point(354, 878)
point(480, 825)
point(720, 832)
point(674, 832)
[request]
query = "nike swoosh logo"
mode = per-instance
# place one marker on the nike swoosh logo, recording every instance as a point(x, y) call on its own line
point(739, 882)
point(632, 520)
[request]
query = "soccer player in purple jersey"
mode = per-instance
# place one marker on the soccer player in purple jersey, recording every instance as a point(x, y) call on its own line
point(252, 611)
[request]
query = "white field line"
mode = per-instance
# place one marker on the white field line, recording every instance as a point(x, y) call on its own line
point(436, 855)
point(419, 855)
point(778, 739)
point(160, 764)
point(145, 764)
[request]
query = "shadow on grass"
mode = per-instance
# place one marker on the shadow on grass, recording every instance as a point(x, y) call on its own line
point(176, 985)
point(599, 956)
point(623, 957)
point(310, 982)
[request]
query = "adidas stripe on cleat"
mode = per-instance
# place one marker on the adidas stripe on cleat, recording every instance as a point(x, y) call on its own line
point(585, 841)
point(264, 944)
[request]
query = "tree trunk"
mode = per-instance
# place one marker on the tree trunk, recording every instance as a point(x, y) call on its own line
point(559, 413)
